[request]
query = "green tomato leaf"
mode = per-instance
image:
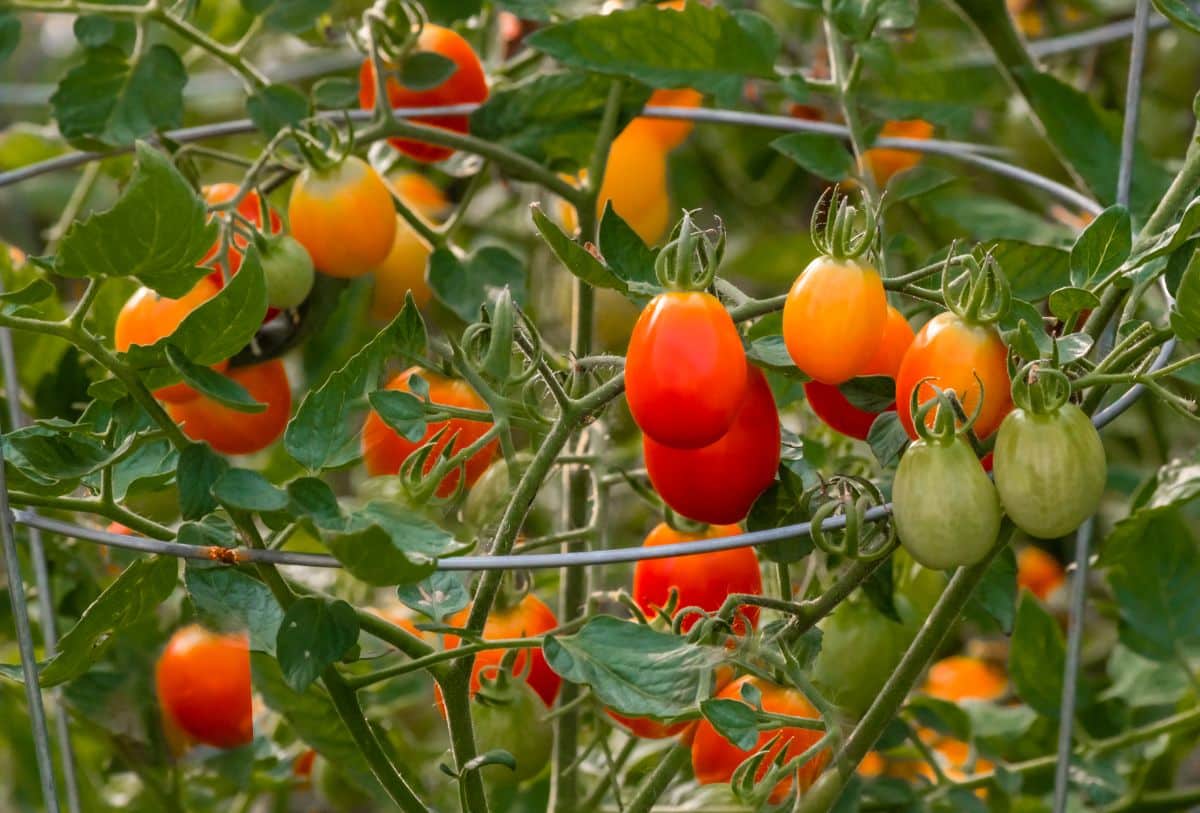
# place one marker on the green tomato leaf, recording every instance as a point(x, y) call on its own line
point(913, 183)
point(107, 102)
point(246, 490)
point(632, 668)
point(733, 720)
point(631, 260)
point(275, 107)
point(941, 715)
point(1066, 302)
point(314, 635)
point(996, 595)
point(1102, 247)
point(781, 505)
point(822, 155)
point(1171, 238)
point(226, 597)
point(1143, 683)
point(10, 34)
point(440, 595)
point(1179, 13)
point(871, 393)
point(198, 468)
point(385, 544)
point(424, 70)
point(335, 93)
point(134, 595)
point(156, 232)
point(710, 49)
point(887, 438)
point(1037, 657)
point(55, 450)
point(209, 382)
point(1033, 271)
point(464, 285)
point(320, 435)
point(402, 411)
point(1185, 314)
point(578, 260)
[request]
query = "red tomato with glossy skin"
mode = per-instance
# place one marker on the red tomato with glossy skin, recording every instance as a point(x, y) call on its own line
point(685, 370)
point(203, 683)
point(248, 208)
point(718, 483)
point(952, 352)
point(647, 728)
point(703, 580)
point(466, 84)
point(231, 432)
point(834, 409)
point(344, 217)
point(529, 617)
point(714, 758)
point(384, 450)
point(834, 319)
point(148, 316)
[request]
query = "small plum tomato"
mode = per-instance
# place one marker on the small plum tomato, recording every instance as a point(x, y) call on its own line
point(834, 409)
point(465, 84)
point(704, 580)
point(951, 352)
point(884, 162)
point(232, 432)
point(528, 617)
point(669, 133)
point(203, 683)
point(385, 450)
point(962, 677)
point(403, 270)
point(685, 370)
point(718, 483)
point(715, 759)
point(1038, 572)
point(834, 319)
point(288, 271)
point(343, 216)
point(148, 316)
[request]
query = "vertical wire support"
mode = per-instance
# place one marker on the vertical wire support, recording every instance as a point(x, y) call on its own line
point(41, 575)
point(29, 670)
point(1083, 538)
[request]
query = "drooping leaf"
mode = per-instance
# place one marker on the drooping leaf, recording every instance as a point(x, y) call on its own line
point(1037, 657)
point(246, 490)
point(1102, 247)
point(230, 598)
point(199, 467)
point(823, 155)
point(314, 634)
point(208, 382)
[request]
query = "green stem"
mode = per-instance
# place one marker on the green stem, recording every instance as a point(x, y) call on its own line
point(96, 507)
point(456, 695)
point(673, 761)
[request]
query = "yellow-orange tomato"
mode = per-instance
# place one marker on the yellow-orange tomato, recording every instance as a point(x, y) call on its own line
point(669, 133)
point(714, 758)
point(385, 450)
point(961, 677)
point(232, 432)
point(834, 319)
point(403, 270)
point(884, 162)
point(952, 352)
point(148, 317)
point(203, 684)
point(344, 217)
point(835, 409)
point(466, 84)
point(1038, 571)
point(635, 181)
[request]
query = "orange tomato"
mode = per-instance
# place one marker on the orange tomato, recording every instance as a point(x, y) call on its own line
point(249, 208)
point(884, 162)
point(344, 217)
point(961, 677)
point(704, 580)
point(403, 270)
point(669, 133)
point(635, 182)
point(834, 409)
point(302, 767)
point(529, 617)
point(714, 758)
point(203, 684)
point(647, 728)
point(385, 450)
point(685, 370)
point(466, 84)
point(953, 352)
point(231, 432)
point(719, 483)
point(834, 319)
point(1038, 571)
point(148, 317)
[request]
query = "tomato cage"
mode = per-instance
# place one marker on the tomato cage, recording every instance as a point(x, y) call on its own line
point(979, 156)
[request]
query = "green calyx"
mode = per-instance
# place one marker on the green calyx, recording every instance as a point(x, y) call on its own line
point(849, 497)
point(976, 290)
point(842, 236)
point(947, 412)
point(689, 260)
point(1040, 389)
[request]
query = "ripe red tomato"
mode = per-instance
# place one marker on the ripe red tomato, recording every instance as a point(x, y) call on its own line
point(834, 319)
point(384, 450)
point(529, 617)
point(714, 758)
point(148, 317)
point(953, 352)
point(718, 483)
point(703, 580)
point(834, 409)
point(466, 84)
point(249, 208)
point(232, 432)
point(647, 728)
point(344, 217)
point(203, 683)
point(685, 370)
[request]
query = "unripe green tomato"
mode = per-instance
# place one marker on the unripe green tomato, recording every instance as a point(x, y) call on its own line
point(860, 648)
point(945, 508)
point(288, 271)
point(490, 494)
point(334, 789)
point(516, 723)
point(1050, 470)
